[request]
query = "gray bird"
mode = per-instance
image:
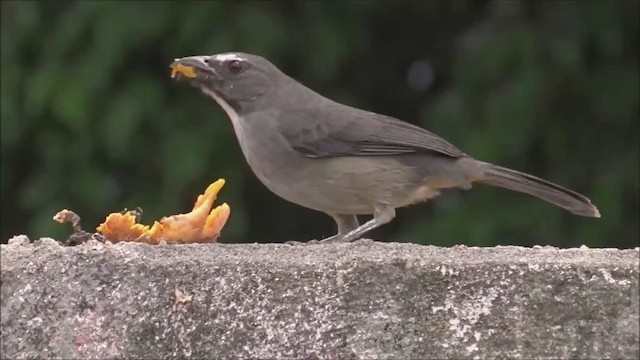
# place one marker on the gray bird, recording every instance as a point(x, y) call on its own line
point(343, 161)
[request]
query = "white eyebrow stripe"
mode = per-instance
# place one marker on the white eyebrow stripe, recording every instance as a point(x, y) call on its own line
point(225, 57)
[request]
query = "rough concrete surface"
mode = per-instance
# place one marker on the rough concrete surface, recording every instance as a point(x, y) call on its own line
point(366, 300)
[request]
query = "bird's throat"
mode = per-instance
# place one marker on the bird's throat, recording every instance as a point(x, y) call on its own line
point(232, 112)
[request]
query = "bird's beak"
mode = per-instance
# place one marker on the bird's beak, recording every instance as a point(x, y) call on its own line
point(192, 67)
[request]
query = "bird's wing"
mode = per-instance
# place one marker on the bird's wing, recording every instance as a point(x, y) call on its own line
point(353, 132)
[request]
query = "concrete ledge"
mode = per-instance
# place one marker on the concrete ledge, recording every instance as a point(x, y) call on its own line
point(348, 301)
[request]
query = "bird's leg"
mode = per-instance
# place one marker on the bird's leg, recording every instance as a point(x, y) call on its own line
point(383, 214)
point(346, 223)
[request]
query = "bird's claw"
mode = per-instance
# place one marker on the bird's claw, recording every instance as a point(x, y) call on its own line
point(334, 239)
point(331, 239)
point(299, 243)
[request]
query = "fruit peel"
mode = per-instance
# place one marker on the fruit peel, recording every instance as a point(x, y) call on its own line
point(203, 224)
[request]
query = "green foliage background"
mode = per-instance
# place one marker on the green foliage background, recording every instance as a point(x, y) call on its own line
point(92, 122)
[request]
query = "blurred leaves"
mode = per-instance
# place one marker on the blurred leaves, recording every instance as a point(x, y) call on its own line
point(92, 122)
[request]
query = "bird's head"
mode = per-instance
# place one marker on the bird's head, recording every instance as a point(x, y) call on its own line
point(240, 80)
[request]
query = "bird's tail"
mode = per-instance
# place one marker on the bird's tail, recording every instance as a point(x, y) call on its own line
point(545, 190)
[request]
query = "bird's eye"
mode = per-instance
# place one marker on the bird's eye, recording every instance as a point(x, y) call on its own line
point(234, 66)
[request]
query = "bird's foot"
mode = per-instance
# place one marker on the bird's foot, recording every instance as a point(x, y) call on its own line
point(344, 239)
point(335, 239)
point(331, 239)
point(299, 243)
point(294, 243)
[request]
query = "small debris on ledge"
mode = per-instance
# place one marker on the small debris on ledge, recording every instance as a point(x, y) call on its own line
point(79, 236)
point(181, 298)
